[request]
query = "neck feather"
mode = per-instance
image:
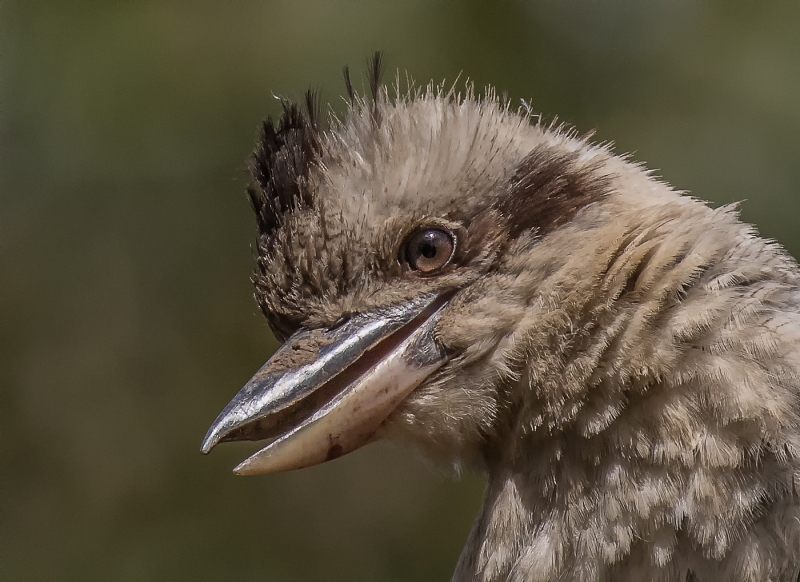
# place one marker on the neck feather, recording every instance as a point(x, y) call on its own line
point(654, 433)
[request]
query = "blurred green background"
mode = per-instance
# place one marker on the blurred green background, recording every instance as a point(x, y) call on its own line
point(126, 317)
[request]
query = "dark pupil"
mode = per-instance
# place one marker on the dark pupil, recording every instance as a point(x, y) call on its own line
point(428, 249)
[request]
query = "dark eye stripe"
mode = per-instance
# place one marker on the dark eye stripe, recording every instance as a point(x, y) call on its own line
point(429, 249)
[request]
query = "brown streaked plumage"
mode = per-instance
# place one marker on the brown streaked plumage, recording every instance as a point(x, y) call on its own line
point(623, 361)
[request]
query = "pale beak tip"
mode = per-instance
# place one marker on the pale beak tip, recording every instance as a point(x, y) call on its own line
point(206, 447)
point(212, 438)
point(246, 468)
point(267, 461)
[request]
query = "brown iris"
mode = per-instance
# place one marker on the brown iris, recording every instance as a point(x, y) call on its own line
point(429, 249)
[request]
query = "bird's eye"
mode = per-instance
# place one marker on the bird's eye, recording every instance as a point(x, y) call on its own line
point(429, 249)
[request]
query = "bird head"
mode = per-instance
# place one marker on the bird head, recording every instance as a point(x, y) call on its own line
point(412, 255)
point(621, 359)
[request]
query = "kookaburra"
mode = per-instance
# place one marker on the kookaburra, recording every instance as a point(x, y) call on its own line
point(620, 359)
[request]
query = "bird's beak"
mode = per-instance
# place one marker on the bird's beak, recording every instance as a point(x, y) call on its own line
point(325, 392)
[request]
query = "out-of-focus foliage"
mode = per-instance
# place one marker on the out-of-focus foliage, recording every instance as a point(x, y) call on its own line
point(126, 319)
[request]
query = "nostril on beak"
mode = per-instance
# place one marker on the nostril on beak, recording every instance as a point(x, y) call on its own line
point(344, 318)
